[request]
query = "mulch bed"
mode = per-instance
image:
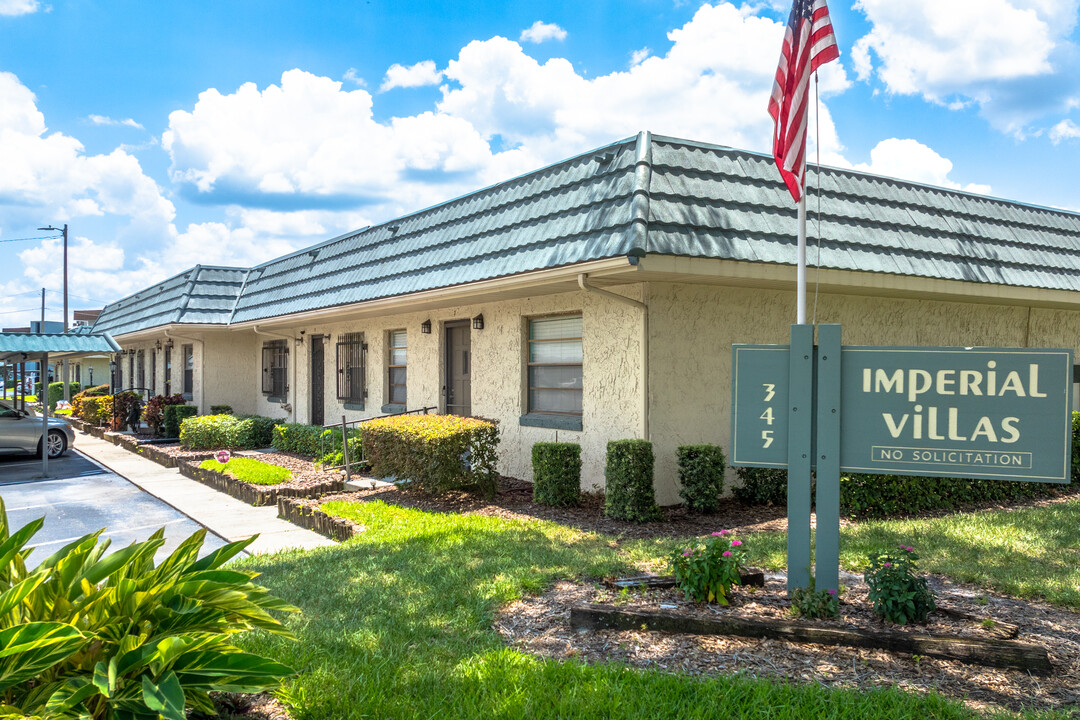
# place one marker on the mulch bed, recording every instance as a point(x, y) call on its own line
point(246, 706)
point(540, 626)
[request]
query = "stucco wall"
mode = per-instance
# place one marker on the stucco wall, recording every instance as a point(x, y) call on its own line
point(692, 328)
point(611, 401)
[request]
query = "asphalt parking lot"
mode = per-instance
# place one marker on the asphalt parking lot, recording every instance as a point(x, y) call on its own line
point(82, 497)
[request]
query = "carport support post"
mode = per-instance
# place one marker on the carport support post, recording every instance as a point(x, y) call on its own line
point(44, 417)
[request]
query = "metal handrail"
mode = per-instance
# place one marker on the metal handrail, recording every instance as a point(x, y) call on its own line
point(344, 425)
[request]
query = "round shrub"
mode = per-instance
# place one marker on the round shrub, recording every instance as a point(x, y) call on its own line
point(556, 474)
point(154, 413)
point(208, 432)
point(701, 474)
point(629, 492)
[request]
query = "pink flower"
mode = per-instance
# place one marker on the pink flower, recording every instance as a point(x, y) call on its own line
point(736, 543)
point(726, 553)
point(686, 552)
point(887, 565)
point(831, 591)
point(910, 549)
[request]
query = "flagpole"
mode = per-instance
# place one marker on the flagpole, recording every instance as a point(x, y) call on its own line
point(800, 311)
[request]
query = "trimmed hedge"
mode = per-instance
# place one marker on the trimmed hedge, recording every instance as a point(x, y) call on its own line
point(207, 432)
point(175, 416)
point(56, 392)
point(761, 486)
point(77, 399)
point(701, 475)
point(434, 453)
point(221, 410)
point(300, 439)
point(556, 473)
point(211, 432)
point(629, 492)
point(96, 409)
point(880, 496)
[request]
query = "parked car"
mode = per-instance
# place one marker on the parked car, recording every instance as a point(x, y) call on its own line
point(20, 432)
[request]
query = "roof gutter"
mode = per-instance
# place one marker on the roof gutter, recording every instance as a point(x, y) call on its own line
point(583, 283)
point(456, 295)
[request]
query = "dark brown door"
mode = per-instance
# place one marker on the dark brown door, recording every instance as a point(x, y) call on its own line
point(458, 366)
point(317, 370)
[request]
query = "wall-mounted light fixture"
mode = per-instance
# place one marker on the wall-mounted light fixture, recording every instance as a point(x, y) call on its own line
point(478, 322)
point(157, 345)
point(425, 327)
point(299, 339)
point(169, 344)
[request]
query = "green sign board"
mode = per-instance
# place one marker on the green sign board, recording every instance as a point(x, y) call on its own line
point(995, 413)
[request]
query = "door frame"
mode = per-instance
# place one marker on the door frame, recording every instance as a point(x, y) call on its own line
point(322, 379)
point(447, 363)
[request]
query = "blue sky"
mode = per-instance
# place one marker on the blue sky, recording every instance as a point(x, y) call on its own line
point(168, 134)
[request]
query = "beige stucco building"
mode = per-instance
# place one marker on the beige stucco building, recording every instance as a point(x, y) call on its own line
point(598, 299)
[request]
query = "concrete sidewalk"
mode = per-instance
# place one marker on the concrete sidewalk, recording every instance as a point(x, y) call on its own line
point(218, 512)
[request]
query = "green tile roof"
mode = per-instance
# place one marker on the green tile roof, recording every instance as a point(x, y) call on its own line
point(13, 345)
point(689, 199)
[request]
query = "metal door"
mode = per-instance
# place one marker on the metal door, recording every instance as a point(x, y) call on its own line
point(458, 384)
point(317, 370)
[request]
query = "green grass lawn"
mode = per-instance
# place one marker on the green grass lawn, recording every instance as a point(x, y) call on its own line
point(250, 470)
point(397, 623)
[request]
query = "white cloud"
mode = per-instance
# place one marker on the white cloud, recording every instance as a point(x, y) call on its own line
point(105, 120)
point(908, 159)
point(353, 76)
point(541, 31)
point(316, 144)
point(1064, 130)
point(19, 7)
point(1012, 58)
point(418, 75)
point(51, 172)
point(638, 56)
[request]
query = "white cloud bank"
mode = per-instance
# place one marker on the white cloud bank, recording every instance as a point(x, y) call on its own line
point(105, 120)
point(541, 31)
point(1064, 130)
point(1011, 58)
point(12, 8)
point(418, 75)
point(911, 160)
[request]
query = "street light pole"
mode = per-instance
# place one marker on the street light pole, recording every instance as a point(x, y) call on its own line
point(64, 376)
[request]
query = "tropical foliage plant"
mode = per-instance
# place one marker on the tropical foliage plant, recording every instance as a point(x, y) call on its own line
point(114, 636)
point(899, 595)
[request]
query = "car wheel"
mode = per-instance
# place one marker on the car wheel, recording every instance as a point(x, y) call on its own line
point(57, 444)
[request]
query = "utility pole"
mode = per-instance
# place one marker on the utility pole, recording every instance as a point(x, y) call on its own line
point(41, 328)
point(64, 376)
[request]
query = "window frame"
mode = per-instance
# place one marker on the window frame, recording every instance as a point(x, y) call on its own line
point(391, 402)
point(187, 360)
point(551, 418)
point(168, 370)
point(140, 361)
point(275, 369)
point(351, 365)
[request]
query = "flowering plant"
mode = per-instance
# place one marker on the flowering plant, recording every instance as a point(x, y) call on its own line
point(898, 594)
point(706, 574)
point(809, 602)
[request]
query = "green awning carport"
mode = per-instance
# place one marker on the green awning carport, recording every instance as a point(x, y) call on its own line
point(20, 347)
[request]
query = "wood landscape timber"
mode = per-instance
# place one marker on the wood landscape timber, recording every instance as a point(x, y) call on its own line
point(993, 653)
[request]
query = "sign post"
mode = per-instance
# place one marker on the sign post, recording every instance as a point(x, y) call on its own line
point(993, 413)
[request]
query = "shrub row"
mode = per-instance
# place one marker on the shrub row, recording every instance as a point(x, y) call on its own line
point(175, 416)
point(211, 432)
point(629, 493)
point(77, 399)
point(433, 452)
point(56, 392)
point(316, 442)
point(878, 496)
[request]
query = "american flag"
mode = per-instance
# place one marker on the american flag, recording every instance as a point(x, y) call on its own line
point(809, 42)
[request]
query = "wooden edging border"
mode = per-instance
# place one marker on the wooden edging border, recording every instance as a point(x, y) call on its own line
point(254, 494)
point(976, 651)
point(298, 512)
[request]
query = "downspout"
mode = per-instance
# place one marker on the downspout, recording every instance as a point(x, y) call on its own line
point(583, 283)
point(292, 365)
point(202, 385)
